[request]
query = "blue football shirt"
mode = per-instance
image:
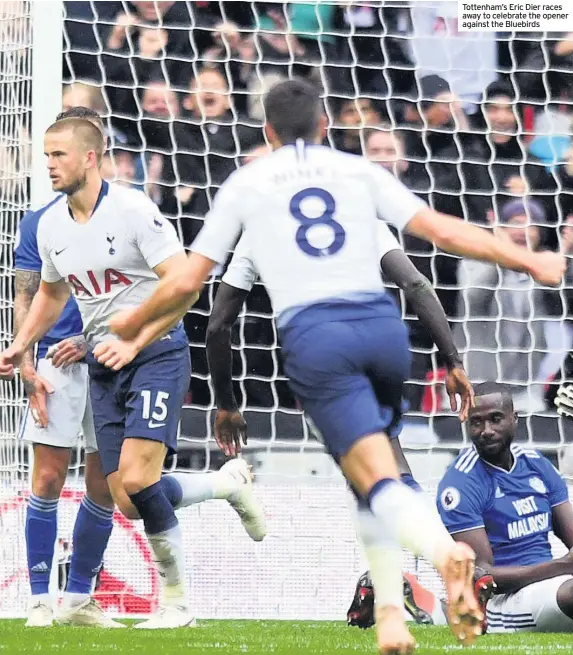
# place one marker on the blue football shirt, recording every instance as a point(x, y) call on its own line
point(513, 506)
point(27, 258)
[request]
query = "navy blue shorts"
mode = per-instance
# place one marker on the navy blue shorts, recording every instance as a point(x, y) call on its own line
point(347, 364)
point(143, 400)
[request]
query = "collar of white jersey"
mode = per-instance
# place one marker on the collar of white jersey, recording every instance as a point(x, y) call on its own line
point(101, 195)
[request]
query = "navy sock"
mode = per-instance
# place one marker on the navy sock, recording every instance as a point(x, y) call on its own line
point(155, 509)
point(41, 532)
point(172, 489)
point(92, 530)
point(408, 479)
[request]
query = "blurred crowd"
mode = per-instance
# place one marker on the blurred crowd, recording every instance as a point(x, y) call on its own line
point(479, 125)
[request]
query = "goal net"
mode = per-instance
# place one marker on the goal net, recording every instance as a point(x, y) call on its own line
point(473, 123)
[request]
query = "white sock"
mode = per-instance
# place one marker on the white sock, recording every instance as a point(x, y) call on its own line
point(197, 487)
point(74, 600)
point(45, 599)
point(167, 548)
point(405, 514)
point(384, 557)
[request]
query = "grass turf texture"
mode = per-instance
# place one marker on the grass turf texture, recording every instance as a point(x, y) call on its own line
point(257, 638)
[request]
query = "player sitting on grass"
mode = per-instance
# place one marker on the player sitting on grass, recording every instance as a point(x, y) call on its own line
point(111, 245)
point(503, 500)
point(310, 216)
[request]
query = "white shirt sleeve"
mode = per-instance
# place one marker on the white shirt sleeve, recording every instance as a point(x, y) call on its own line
point(156, 238)
point(49, 271)
point(395, 203)
point(241, 272)
point(386, 240)
point(223, 224)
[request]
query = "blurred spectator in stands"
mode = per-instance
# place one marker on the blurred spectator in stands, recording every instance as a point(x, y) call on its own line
point(118, 165)
point(374, 41)
point(512, 170)
point(506, 317)
point(209, 140)
point(564, 176)
point(80, 94)
point(544, 67)
point(468, 61)
point(234, 52)
point(160, 108)
point(352, 116)
point(444, 154)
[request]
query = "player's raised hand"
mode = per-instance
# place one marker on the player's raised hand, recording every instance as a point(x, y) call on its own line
point(564, 399)
point(549, 268)
point(230, 431)
point(115, 354)
point(9, 359)
point(123, 325)
point(37, 389)
point(458, 384)
point(69, 351)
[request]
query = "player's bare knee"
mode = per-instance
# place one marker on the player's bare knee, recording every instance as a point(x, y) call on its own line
point(97, 486)
point(50, 470)
point(48, 483)
point(565, 598)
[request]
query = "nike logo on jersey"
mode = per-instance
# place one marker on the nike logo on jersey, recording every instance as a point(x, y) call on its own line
point(152, 425)
point(499, 493)
point(59, 252)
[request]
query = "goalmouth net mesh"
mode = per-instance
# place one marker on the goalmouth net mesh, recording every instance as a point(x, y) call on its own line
point(179, 85)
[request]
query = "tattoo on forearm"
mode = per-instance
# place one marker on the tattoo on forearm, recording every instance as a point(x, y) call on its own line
point(27, 285)
point(79, 343)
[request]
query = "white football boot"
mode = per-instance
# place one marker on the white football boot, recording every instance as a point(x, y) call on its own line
point(243, 500)
point(169, 617)
point(40, 614)
point(88, 613)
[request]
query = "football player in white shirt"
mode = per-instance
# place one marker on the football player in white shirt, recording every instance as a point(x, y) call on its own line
point(309, 215)
point(230, 426)
point(110, 245)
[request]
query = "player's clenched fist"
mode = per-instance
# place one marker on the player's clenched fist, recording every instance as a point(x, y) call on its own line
point(549, 268)
point(115, 354)
point(9, 359)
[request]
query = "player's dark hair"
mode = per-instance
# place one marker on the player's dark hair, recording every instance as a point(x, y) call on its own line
point(293, 109)
point(489, 388)
point(82, 112)
point(84, 131)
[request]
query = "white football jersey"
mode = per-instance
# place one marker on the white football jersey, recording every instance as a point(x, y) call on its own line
point(242, 273)
point(108, 262)
point(310, 218)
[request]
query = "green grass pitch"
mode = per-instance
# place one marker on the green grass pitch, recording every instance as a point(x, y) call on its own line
point(257, 638)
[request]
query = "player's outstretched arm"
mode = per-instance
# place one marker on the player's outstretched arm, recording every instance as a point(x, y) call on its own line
point(116, 354)
point(44, 311)
point(230, 427)
point(175, 293)
point(460, 238)
point(511, 578)
point(426, 305)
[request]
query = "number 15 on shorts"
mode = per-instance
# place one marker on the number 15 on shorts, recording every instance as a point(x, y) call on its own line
point(157, 417)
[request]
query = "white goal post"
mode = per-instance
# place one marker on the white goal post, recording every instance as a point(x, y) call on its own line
point(148, 76)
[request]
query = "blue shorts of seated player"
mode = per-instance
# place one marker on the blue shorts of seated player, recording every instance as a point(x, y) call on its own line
point(347, 362)
point(143, 400)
